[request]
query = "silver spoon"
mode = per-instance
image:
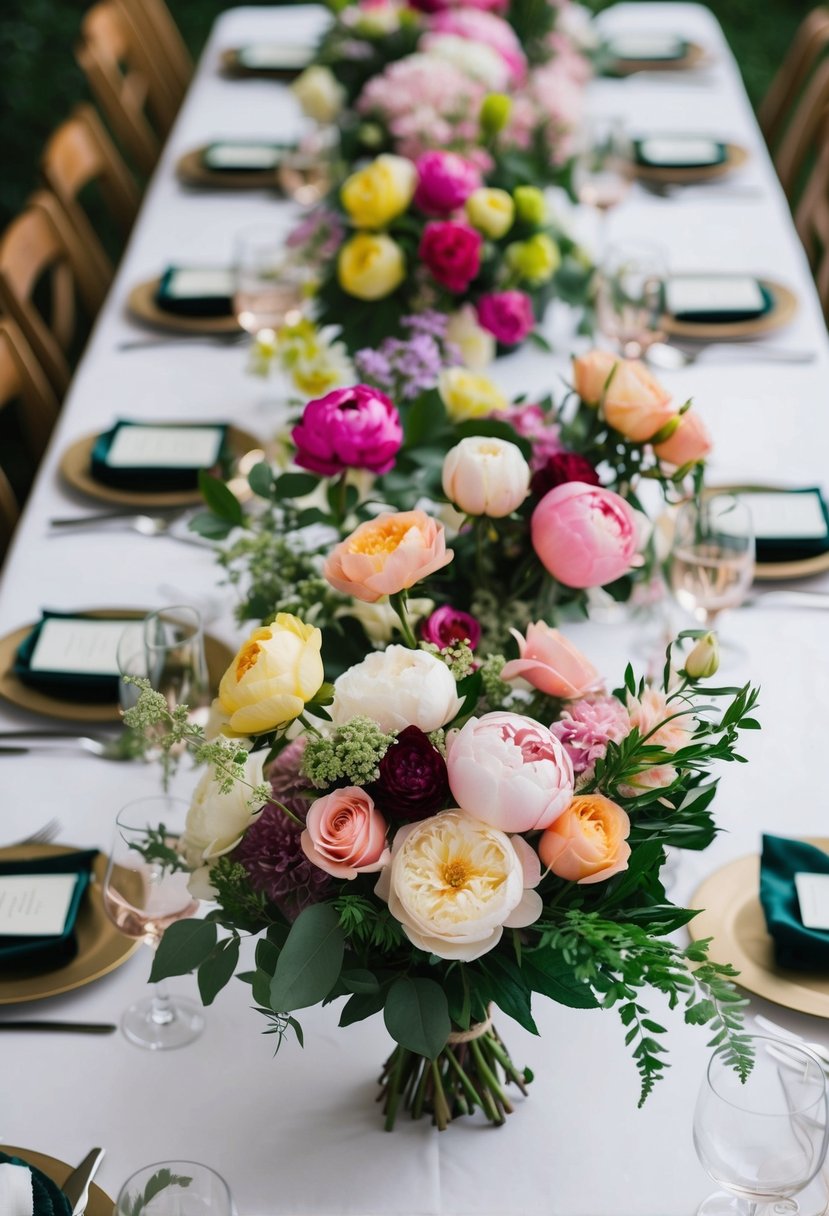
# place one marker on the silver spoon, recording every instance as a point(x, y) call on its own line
point(674, 358)
point(146, 525)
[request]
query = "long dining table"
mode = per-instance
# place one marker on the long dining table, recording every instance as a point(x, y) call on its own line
point(300, 1134)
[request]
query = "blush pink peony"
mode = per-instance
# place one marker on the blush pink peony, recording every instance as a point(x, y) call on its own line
point(584, 535)
point(587, 726)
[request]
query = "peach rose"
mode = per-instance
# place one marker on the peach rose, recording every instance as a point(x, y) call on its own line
point(387, 554)
point(660, 777)
point(648, 711)
point(690, 443)
point(588, 843)
point(551, 663)
point(634, 403)
point(345, 834)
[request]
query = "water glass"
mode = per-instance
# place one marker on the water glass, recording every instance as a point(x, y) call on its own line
point(176, 662)
point(268, 289)
point(631, 296)
point(603, 167)
point(712, 558)
point(175, 1188)
point(764, 1139)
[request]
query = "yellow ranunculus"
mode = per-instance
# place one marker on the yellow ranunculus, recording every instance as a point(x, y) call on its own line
point(536, 259)
point(491, 211)
point(370, 266)
point(276, 671)
point(376, 195)
point(469, 395)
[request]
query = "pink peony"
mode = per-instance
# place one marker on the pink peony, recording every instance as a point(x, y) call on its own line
point(444, 182)
point(507, 315)
point(475, 25)
point(587, 726)
point(584, 535)
point(452, 253)
point(349, 428)
point(345, 834)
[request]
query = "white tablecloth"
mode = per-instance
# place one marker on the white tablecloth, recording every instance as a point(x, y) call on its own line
point(301, 1134)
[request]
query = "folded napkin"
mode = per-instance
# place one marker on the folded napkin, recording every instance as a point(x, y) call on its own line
point(789, 525)
point(48, 953)
point(795, 946)
point(161, 468)
point(648, 47)
point(195, 292)
point(679, 152)
point(73, 685)
point(28, 1191)
point(275, 57)
point(706, 300)
point(237, 156)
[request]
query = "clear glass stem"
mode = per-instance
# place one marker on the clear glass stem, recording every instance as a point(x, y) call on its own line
point(163, 1012)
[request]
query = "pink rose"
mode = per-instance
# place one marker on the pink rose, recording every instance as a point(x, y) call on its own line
point(634, 403)
point(452, 252)
point(584, 535)
point(690, 442)
point(349, 428)
point(345, 834)
point(507, 315)
point(444, 182)
point(386, 555)
point(509, 771)
point(551, 663)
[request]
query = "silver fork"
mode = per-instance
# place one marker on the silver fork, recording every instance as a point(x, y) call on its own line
point(16, 742)
point(43, 835)
point(146, 525)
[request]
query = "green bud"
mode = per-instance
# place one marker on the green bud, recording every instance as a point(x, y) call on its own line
point(704, 659)
point(495, 112)
point(530, 204)
point(666, 431)
point(536, 260)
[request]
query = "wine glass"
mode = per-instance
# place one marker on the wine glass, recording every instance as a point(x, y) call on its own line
point(144, 892)
point(176, 662)
point(711, 565)
point(603, 169)
point(631, 296)
point(305, 172)
point(763, 1139)
point(268, 286)
point(176, 1188)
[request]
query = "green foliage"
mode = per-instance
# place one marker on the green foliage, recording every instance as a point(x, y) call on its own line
point(160, 1181)
point(416, 1014)
point(366, 924)
point(310, 961)
point(351, 755)
point(184, 946)
point(217, 969)
point(240, 904)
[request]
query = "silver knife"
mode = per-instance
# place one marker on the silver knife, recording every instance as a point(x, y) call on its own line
point(76, 1186)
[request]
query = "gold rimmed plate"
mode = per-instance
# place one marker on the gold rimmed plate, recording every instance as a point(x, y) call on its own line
point(674, 175)
point(733, 918)
point(142, 306)
point(782, 311)
point(44, 704)
point(76, 470)
point(694, 57)
point(99, 1203)
point(101, 948)
point(192, 171)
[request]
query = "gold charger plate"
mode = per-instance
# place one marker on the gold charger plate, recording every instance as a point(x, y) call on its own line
point(692, 58)
point(733, 918)
point(101, 948)
point(192, 170)
point(17, 693)
point(141, 306)
point(783, 309)
point(735, 157)
point(771, 572)
point(232, 65)
point(99, 1203)
point(75, 469)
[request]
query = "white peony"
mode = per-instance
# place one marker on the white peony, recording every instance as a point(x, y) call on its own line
point(320, 94)
point(380, 621)
point(455, 884)
point(476, 59)
point(216, 822)
point(476, 344)
point(397, 687)
point(483, 475)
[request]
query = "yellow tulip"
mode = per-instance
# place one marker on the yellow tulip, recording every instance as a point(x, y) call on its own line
point(377, 194)
point(275, 673)
point(370, 266)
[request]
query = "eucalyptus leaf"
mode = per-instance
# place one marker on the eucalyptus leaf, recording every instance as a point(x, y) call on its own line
point(260, 479)
point(217, 969)
point(295, 485)
point(220, 499)
point(416, 1014)
point(310, 961)
point(184, 946)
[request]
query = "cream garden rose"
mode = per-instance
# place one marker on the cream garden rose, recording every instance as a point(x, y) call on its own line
point(319, 93)
point(455, 884)
point(483, 475)
point(476, 344)
point(397, 687)
point(277, 670)
point(468, 394)
point(217, 820)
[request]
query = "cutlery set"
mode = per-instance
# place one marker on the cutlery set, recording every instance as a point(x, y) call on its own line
point(145, 525)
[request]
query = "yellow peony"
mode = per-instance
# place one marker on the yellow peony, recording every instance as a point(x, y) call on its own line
point(370, 266)
point(491, 211)
point(376, 195)
point(276, 671)
point(469, 395)
point(536, 259)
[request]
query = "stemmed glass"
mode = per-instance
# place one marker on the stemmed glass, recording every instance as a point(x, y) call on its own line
point(764, 1139)
point(142, 895)
point(167, 648)
point(603, 169)
point(176, 1188)
point(268, 286)
point(631, 296)
point(712, 559)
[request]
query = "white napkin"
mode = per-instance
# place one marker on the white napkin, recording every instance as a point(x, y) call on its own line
point(16, 1190)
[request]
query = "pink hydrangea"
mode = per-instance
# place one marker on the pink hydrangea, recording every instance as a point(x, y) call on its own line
point(587, 726)
point(559, 100)
point(535, 424)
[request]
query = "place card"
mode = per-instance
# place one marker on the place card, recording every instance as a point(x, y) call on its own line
point(198, 283)
point(242, 157)
point(275, 56)
point(646, 44)
point(77, 646)
point(679, 151)
point(813, 897)
point(787, 514)
point(740, 295)
point(35, 905)
point(165, 447)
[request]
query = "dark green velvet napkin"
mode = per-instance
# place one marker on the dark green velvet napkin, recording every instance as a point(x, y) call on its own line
point(48, 953)
point(47, 1197)
point(793, 548)
point(190, 306)
point(795, 946)
point(642, 159)
point(728, 316)
point(67, 685)
point(149, 478)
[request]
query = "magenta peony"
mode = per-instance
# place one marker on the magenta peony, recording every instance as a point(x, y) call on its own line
point(587, 726)
point(507, 315)
point(584, 535)
point(413, 781)
point(448, 625)
point(349, 428)
point(452, 252)
point(444, 182)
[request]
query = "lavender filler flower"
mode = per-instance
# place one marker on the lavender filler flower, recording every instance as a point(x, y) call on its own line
point(406, 367)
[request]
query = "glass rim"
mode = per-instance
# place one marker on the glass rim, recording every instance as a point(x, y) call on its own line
point(158, 1165)
point(196, 625)
point(132, 806)
point(801, 1050)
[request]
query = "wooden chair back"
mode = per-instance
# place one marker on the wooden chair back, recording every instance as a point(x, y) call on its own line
point(812, 222)
point(79, 153)
point(40, 250)
point(801, 138)
point(810, 40)
point(153, 24)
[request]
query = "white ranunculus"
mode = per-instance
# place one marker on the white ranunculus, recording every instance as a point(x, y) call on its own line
point(476, 344)
point(476, 59)
point(455, 884)
point(320, 94)
point(216, 822)
point(380, 621)
point(397, 687)
point(483, 475)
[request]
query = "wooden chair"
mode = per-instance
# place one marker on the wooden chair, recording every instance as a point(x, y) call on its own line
point(153, 24)
point(128, 86)
point(812, 222)
point(22, 382)
point(811, 39)
point(43, 272)
point(800, 143)
point(78, 154)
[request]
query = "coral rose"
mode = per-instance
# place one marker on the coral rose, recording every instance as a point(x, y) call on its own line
point(690, 443)
point(634, 403)
point(349, 428)
point(584, 535)
point(588, 843)
point(275, 672)
point(551, 663)
point(387, 554)
point(345, 834)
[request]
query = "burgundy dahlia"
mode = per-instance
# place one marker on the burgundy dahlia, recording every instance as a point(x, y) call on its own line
point(276, 865)
point(413, 783)
point(560, 468)
point(446, 626)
